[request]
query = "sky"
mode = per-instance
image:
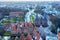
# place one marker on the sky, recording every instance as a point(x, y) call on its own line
point(26, 0)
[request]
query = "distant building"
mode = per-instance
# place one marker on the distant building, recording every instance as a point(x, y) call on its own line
point(15, 14)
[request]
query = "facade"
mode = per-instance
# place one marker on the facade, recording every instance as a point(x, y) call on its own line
point(15, 14)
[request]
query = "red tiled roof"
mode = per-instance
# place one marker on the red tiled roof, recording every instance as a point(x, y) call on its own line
point(16, 12)
point(29, 24)
point(29, 37)
point(13, 26)
point(26, 24)
point(37, 35)
point(22, 37)
point(59, 36)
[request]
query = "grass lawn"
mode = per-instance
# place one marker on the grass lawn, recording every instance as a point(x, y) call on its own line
point(9, 34)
